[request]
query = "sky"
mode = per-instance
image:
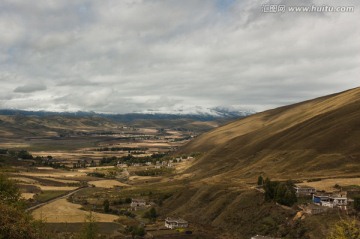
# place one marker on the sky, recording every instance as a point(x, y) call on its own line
point(128, 56)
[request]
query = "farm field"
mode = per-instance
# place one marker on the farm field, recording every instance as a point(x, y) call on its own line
point(68, 176)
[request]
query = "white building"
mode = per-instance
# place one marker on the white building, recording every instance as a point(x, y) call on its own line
point(304, 190)
point(173, 223)
point(335, 200)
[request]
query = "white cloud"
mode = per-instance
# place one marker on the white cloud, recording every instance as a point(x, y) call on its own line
point(125, 56)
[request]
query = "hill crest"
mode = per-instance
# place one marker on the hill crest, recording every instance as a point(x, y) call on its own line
point(309, 139)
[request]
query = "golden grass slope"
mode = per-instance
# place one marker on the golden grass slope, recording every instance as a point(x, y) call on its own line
point(63, 211)
point(315, 138)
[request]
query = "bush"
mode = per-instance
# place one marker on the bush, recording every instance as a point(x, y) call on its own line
point(345, 229)
point(96, 174)
point(106, 205)
point(151, 214)
point(23, 154)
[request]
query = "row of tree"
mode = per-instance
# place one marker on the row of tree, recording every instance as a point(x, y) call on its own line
point(280, 192)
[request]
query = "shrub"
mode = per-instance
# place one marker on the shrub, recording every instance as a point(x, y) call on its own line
point(345, 229)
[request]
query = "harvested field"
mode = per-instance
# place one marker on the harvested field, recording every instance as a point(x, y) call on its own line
point(63, 211)
point(45, 168)
point(104, 227)
point(139, 178)
point(27, 195)
point(56, 174)
point(62, 180)
point(54, 188)
point(108, 184)
point(328, 184)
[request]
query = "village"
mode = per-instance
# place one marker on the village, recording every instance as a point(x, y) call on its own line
point(323, 201)
point(122, 191)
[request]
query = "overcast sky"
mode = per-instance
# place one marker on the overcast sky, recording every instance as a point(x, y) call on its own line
point(134, 56)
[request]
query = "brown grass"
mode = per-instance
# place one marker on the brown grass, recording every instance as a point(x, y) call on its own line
point(63, 211)
point(107, 183)
point(27, 195)
point(328, 184)
point(316, 138)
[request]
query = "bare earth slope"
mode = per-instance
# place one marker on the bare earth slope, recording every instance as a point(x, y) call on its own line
point(316, 138)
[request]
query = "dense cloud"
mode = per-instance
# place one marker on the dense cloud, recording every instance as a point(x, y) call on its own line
point(126, 56)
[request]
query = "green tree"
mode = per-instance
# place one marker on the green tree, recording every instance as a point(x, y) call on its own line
point(270, 189)
point(9, 192)
point(23, 154)
point(153, 213)
point(106, 205)
point(357, 203)
point(282, 193)
point(260, 181)
point(137, 231)
point(14, 222)
point(345, 229)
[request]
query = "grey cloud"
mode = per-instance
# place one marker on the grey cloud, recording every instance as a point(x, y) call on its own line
point(30, 88)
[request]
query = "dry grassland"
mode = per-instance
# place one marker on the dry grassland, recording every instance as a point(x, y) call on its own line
point(328, 184)
point(63, 211)
point(108, 184)
point(59, 174)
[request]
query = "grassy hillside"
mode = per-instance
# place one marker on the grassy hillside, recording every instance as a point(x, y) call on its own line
point(316, 138)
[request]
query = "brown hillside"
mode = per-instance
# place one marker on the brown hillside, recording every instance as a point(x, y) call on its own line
point(316, 138)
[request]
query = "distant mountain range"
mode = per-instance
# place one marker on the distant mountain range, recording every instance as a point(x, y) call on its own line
point(197, 113)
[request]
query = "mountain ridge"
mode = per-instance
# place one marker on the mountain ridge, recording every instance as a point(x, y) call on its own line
point(312, 138)
point(209, 115)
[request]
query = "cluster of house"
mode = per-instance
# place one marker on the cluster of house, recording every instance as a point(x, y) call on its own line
point(138, 204)
point(84, 163)
point(158, 164)
point(322, 201)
